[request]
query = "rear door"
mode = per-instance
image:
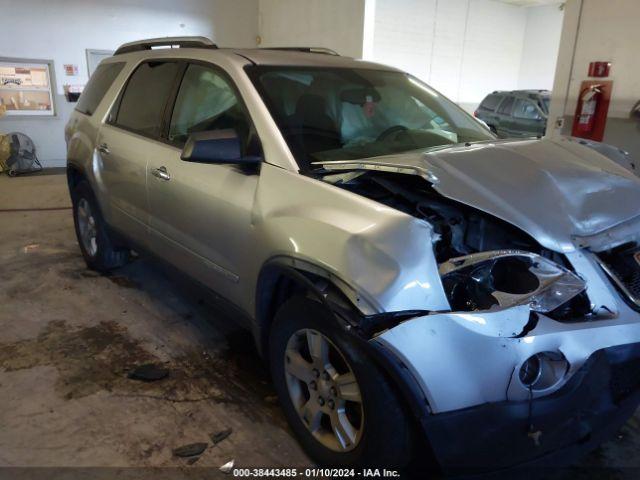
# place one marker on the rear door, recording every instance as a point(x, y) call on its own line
point(124, 145)
point(201, 212)
point(503, 117)
point(487, 110)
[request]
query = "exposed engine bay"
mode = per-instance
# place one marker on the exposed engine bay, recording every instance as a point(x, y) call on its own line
point(485, 263)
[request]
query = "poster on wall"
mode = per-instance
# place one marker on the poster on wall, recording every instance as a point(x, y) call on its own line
point(25, 88)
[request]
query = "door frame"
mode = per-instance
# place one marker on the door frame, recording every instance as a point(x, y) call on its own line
point(91, 51)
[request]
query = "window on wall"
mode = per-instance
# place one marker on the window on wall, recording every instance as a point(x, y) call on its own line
point(26, 88)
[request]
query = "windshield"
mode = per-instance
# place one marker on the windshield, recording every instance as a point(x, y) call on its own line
point(328, 114)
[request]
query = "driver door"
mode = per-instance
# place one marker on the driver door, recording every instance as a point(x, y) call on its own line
point(201, 212)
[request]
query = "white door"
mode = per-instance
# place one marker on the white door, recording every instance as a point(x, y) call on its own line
point(94, 57)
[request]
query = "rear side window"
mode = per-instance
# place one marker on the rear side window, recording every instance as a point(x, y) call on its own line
point(97, 87)
point(491, 102)
point(145, 96)
point(506, 106)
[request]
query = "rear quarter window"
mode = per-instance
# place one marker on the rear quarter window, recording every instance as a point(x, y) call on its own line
point(97, 87)
point(491, 102)
point(506, 106)
point(142, 103)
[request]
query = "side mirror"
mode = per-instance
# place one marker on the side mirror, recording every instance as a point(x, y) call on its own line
point(216, 146)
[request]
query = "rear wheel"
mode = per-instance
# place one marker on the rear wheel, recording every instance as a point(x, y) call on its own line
point(338, 402)
point(96, 243)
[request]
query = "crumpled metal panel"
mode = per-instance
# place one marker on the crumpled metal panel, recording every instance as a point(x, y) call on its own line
point(484, 350)
point(553, 189)
point(383, 254)
point(621, 157)
point(465, 359)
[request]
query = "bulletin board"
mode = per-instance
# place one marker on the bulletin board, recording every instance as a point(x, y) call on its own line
point(26, 88)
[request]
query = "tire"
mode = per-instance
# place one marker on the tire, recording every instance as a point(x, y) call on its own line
point(100, 253)
point(384, 438)
point(493, 130)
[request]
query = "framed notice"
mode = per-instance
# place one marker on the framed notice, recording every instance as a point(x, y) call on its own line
point(26, 88)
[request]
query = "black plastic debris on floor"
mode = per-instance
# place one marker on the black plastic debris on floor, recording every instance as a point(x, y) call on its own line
point(149, 372)
point(220, 436)
point(190, 450)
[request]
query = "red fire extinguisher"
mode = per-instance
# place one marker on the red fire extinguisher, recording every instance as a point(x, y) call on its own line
point(589, 98)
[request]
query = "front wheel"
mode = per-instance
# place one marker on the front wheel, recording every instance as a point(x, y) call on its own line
point(96, 243)
point(338, 402)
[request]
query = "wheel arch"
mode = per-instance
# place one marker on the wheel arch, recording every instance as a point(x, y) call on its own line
point(75, 174)
point(283, 277)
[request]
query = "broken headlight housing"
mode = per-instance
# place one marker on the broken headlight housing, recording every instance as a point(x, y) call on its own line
point(506, 278)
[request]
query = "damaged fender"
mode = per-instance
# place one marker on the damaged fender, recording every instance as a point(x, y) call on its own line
point(382, 254)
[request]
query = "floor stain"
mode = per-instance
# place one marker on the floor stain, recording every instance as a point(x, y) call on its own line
point(123, 281)
point(100, 358)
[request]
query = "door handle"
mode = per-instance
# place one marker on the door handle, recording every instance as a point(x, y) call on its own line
point(103, 148)
point(161, 173)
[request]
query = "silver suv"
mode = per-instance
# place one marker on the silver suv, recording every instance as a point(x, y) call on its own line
point(415, 284)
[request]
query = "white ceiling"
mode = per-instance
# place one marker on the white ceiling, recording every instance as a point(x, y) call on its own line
point(531, 3)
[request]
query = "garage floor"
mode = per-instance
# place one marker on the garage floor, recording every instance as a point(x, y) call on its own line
point(69, 337)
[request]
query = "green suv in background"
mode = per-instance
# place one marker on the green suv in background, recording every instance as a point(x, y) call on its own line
point(520, 113)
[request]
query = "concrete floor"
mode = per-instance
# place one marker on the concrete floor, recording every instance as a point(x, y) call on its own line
point(68, 338)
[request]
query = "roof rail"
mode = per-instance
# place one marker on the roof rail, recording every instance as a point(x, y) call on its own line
point(181, 42)
point(322, 50)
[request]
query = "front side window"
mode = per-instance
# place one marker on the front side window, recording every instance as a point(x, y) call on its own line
point(526, 110)
point(206, 101)
point(544, 104)
point(330, 114)
point(145, 97)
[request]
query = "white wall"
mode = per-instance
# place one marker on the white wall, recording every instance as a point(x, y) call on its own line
point(466, 48)
point(62, 30)
point(541, 44)
point(335, 24)
point(403, 34)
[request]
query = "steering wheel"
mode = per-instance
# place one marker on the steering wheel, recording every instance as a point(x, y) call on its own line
point(390, 131)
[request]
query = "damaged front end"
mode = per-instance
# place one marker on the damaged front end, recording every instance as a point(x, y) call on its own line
point(537, 354)
point(506, 278)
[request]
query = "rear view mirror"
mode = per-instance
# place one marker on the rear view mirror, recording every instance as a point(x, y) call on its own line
point(216, 146)
point(360, 96)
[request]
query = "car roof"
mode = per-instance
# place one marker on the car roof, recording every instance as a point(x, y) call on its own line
point(255, 56)
point(272, 57)
point(522, 93)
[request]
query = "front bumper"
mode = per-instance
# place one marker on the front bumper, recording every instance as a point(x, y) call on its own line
point(552, 431)
point(459, 373)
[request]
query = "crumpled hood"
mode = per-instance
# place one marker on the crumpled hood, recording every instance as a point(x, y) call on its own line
point(555, 190)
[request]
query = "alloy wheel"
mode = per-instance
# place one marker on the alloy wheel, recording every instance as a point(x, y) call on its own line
point(87, 227)
point(324, 390)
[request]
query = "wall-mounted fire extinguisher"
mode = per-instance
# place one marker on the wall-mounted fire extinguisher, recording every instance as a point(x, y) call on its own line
point(589, 98)
point(590, 117)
